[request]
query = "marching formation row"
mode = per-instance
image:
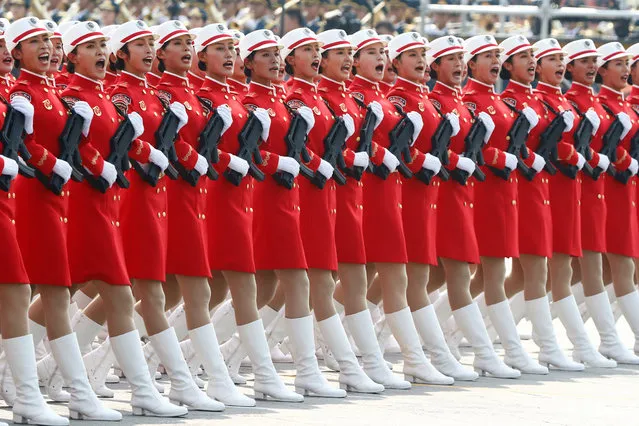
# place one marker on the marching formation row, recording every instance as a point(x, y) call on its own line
point(146, 168)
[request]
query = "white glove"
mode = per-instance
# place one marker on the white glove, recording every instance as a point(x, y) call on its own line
point(21, 104)
point(288, 165)
point(10, 167)
point(604, 162)
point(511, 161)
point(454, 122)
point(86, 112)
point(432, 163)
point(627, 124)
point(201, 165)
point(159, 159)
point(581, 160)
point(350, 125)
point(569, 119)
point(265, 119)
point(634, 167)
point(418, 123)
point(538, 163)
point(224, 111)
point(390, 161)
point(62, 169)
point(239, 165)
point(326, 169)
point(138, 124)
point(361, 159)
point(531, 116)
point(594, 119)
point(377, 109)
point(466, 164)
point(109, 173)
point(308, 116)
point(489, 123)
point(179, 110)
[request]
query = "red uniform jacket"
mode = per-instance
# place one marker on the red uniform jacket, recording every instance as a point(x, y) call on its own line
point(196, 81)
point(152, 79)
point(238, 87)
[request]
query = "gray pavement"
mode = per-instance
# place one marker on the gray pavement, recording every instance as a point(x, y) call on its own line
point(594, 397)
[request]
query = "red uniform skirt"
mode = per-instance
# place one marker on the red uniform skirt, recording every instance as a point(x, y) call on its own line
point(383, 226)
point(95, 242)
point(349, 231)
point(276, 227)
point(13, 270)
point(456, 237)
point(419, 213)
point(317, 223)
point(42, 232)
point(187, 246)
point(622, 230)
point(229, 220)
point(497, 216)
point(143, 223)
point(565, 202)
point(593, 214)
point(535, 216)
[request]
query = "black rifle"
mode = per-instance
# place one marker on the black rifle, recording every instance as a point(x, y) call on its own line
point(439, 148)
point(333, 145)
point(164, 137)
point(119, 156)
point(611, 140)
point(549, 140)
point(69, 141)
point(365, 140)
point(582, 137)
point(296, 142)
point(249, 139)
point(209, 138)
point(625, 176)
point(12, 139)
point(473, 150)
point(518, 134)
point(401, 138)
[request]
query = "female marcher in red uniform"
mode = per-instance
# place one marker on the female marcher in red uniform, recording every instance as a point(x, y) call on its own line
point(456, 240)
point(565, 199)
point(622, 244)
point(336, 64)
point(57, 55)
point(195, 75)
point(301, 54)
point(535, 216)
point(419, 200)
point(237, 82)
point(382, 219)
point(276, 220)
point(581, 63)
point(496, 213)
point(230, 210)
point(27, 402)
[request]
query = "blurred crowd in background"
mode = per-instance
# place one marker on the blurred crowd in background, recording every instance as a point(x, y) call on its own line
point(387, 17)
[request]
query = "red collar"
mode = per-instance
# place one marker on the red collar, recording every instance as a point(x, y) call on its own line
point(444, 89)
point(33, 78)
point(548, 89)
point(303, 85)
point(174, 80)
point(327, 83)
point(214, 85)
point(133, 80)
point(409, 85)
point(516, 87)
point(608, 93)
point(362, 82)
point(478, 87)
point(261, 89)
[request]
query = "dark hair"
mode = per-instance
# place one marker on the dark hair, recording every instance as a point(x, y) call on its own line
point(161, 66)
point(353, 70)
point(16, 63)
point(433, 73)
point(568, 74)
point(324, 56)
point(201, 65)
point(630, 75)
point(247, 71)
point(469, 72)
point(288, 68)
point(70, 65)
point(598, 78)
point(504, 74)
point(392, 67)
point(119, 62)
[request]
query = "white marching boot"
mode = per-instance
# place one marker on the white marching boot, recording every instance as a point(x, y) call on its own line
point(86, 329)
point(50, 377)
point(308, 380)
point(152, 363)
point(417, 368)
point(486, 360)
point(224, 321)
point(138, 321)
point(583, 351)
point(516, 357)
point(269, 315)
point(363, 332)
point(435, 344)
point(231, 353)
point(145, 399)
point(351, 377)
point(184, 391)
point(98, 362)
point(550, 354)
point(29, 406)
point(192, 361)
point(220, 385)
point(268, 385)
point(629, 306)
point(483, 308)
point(325, 350)
point(177, 320)
point(84, 404)
point(610, 347)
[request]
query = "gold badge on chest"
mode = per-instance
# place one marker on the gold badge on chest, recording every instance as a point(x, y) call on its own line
point(187, 105)
point(316, 110)
point(47, 104)
point(421, 106)
point(97, 111)
point(343, 107)
point(271, 112)
point(491, 110)
point(142, 106)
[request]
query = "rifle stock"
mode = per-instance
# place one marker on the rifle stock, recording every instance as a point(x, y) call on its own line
point(249, 139)
point(12, 139)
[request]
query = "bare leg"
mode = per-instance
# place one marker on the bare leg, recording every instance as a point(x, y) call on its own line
point(14, 304)
point(437, 278)
point(393, 282)
point(296, 287)
point(196, 293)
point(622, 269)
point(152, 305)
point(352, 287)
point(591, 272)
point(494, 274)
point(416, 295)
point(477, 280)
point(244, 293)
point(219, 289)
point(118, 303)
point(322, 286)
point(458, 283)
point(55, 301)
point(515, 281)
point(534, 272)
point(560, 276)
point(266, 286)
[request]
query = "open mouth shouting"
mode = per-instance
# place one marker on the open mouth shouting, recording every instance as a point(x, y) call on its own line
point(100, 64)
point(7, 60)
point(148, 61)
point(494, 71)
point(228, 65)
point(624, 77)
point(186, 59)
point(559, 73)
point(379, 68)
point(315, 65)
point(44, 58)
